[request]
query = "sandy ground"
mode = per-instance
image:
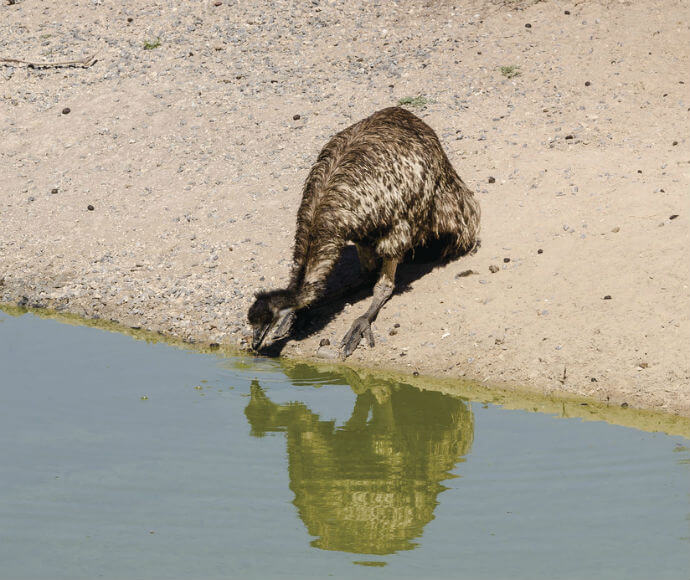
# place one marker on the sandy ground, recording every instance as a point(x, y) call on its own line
point(192, 155)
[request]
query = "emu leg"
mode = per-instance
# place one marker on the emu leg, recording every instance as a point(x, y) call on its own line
point(361, 327)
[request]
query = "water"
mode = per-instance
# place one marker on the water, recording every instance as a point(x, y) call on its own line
point(122, 459)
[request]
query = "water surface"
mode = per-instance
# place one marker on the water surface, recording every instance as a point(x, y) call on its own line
point(122, 459)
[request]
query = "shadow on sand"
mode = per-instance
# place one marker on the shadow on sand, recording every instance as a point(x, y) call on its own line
point(348, 283)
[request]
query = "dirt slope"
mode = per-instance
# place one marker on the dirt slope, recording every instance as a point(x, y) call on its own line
point(185, 140)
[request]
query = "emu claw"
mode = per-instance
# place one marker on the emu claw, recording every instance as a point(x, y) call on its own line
point(361, 327)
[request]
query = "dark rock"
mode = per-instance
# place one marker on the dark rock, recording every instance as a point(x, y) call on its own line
point(296, 117)
point(607, 297)
point(587, 83)
point(324, 342)
point(528, 25)
point(66, 111)
point(540, 251)
point(493, 268)
point(90, 207)
point(492, 180)
point(672, 217)
point(506, 260)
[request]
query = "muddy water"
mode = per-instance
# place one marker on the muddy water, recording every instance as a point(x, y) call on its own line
point(122, 459)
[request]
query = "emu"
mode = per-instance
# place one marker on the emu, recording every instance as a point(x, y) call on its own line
point(385, 184)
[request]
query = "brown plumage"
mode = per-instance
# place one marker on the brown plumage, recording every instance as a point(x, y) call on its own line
point(385, 184)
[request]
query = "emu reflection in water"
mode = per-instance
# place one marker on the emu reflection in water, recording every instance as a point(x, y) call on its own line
point(370, 486)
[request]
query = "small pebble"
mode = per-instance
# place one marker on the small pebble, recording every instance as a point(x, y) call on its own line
point(616, 230)
point(624, 405)
point(492, 180)
point(296, 117)
point(54, 190)
point(674, 143)
point(324, 342)
point(66, 111)
point(130, 19)
point(392, 332)
point(327, 352)
point(415, 374)
point(396, 325)
point(567, 12)
point(506, 260)
point(607, 297)
point(594, 380)
point(672, 217)
point(528, 25)
point(493, 268)
point(540, 251)
point(568, 137)
point(90, 207)
point(587, 83)
point(217, 3)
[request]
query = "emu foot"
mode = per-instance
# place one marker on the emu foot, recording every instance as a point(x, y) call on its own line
point(361, 327)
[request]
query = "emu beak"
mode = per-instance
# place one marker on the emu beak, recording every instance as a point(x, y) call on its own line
point(259, 335)
point(283, 325)
point(276, 330)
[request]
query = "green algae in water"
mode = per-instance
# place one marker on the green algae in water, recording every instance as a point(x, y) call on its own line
point(370, 563)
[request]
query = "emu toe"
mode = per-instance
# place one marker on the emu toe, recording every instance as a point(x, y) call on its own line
point(361, 327)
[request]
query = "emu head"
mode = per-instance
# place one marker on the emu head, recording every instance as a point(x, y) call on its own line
point(271, 317)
